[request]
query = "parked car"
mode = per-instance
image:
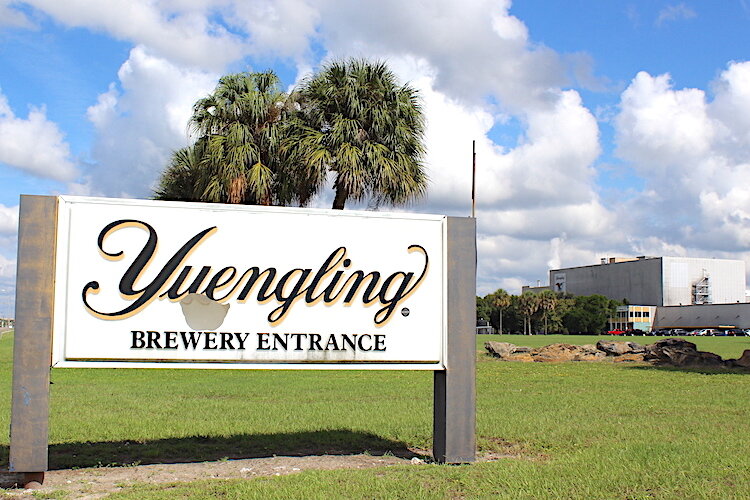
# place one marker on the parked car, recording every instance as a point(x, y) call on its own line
point(677, 332)
point(616, 332)
point(664, 332)
point(706, 332)
point(634, 331)
point(735, 332)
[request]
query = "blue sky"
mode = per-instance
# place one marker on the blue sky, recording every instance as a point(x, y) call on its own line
point(603, 128)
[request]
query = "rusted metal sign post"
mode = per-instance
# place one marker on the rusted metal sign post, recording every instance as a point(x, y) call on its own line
point(439, 293)
point(32, 348)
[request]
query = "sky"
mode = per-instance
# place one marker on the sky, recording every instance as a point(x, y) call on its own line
point(602, 128)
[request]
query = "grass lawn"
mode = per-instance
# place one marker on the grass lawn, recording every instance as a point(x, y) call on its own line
point(570, 430)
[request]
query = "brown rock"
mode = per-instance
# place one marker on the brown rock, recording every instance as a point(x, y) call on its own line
point(499, 349)
point(555, 353)
point(520, 349)
point(742, 362)
point(612, 348)
point(679, 352)
point(594, 356)
point(506, 351)
point(672, 351)
point(630, 357)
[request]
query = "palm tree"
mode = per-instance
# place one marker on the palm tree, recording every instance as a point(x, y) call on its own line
point(529, 304)
point(501, 300)
point(548, 303)
point(181, 180)
point(236, 157)
point(355, 121)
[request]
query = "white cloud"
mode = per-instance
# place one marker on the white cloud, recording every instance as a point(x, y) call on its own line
point(35, 144)
point(7, 268)
point(732, 98)
point(553, 165)
point(181, 31)
point(13, 17)
point(476, 48)
point(674, 13)
point(8, 220)
point(659, 127)
point(281, 28)
point(140, 125)
point(7, 286)
point(588, 219)
point(208, 34)
point(474, 62)
point(538, 191)
point(692, 153)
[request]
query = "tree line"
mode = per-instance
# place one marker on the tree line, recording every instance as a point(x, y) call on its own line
point(546, 312)
point(351, 124)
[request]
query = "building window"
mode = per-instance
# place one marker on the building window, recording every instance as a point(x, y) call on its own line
point(638, 314)
point(646, 314)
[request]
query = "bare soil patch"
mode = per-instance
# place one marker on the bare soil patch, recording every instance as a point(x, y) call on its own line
point(98, 482)
point(93, 483)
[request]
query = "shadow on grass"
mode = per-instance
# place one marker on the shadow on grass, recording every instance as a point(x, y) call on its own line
point(205, 449)
point(703, 370)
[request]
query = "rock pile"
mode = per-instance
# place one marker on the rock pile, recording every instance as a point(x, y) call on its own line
point(672, 352)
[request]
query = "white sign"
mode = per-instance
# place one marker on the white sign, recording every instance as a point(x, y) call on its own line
point(560, 283)
point(140, 284)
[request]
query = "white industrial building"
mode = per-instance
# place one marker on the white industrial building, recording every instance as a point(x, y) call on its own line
point(657, 281)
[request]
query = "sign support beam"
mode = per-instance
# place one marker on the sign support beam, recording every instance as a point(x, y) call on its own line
point(454, 417)
point(32, 348)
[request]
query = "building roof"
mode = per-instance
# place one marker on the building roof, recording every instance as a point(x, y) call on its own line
point(703, 316)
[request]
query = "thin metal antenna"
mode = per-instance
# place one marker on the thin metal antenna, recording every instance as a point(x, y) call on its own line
point(473, 177)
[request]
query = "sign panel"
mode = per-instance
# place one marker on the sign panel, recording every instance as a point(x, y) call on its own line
point(142, 283)
point(560, 283)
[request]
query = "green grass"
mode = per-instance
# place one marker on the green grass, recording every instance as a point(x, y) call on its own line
point(570, 430)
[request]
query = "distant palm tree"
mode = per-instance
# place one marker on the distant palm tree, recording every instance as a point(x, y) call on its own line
point(529, 304)
point(358, 123)
point(236, 157)
point(548, 303)
point(501, 299)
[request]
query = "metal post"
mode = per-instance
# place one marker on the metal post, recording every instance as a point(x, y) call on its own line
point(473, 177)
point(32, 348)
point(454, 417)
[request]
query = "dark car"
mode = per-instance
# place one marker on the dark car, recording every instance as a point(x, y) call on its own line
point(662, 332)
point(634, 331)
point(735, 332)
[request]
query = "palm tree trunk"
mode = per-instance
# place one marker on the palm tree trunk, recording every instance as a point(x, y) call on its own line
point(501, 321)
point(341, 195)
